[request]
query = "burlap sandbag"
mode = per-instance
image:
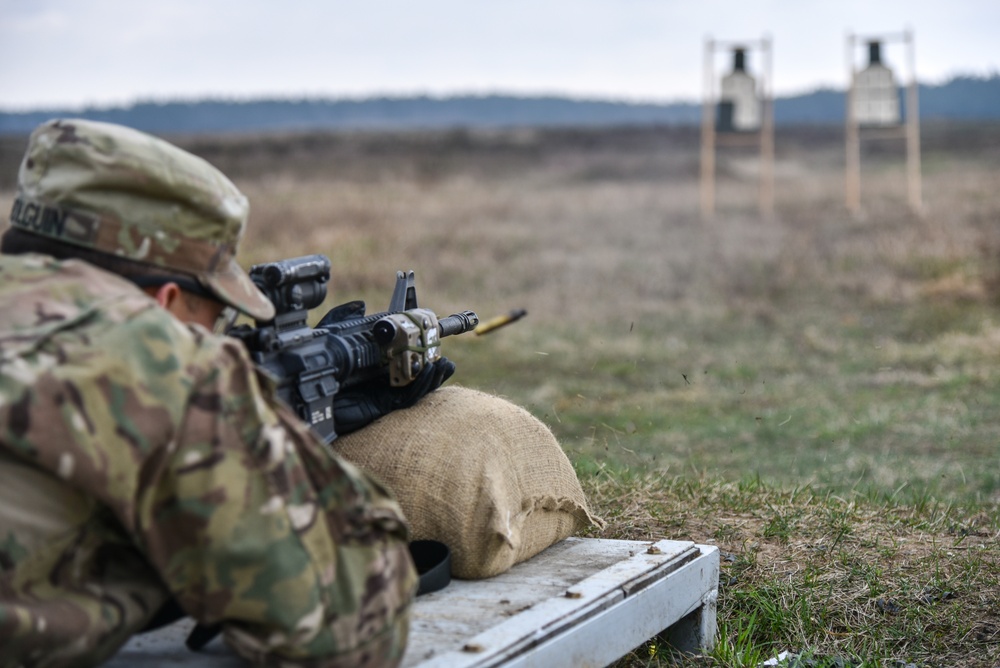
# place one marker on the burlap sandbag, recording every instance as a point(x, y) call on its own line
point(477, 473)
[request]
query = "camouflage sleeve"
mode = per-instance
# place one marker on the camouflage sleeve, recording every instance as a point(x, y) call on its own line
point(159, 442)
point(252, 522)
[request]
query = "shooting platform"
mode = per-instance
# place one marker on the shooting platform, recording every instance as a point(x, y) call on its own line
point(581, 602)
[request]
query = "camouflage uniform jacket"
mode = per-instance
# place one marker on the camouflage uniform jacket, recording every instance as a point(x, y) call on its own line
point(141, 458)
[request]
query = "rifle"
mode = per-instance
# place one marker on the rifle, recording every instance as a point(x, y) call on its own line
point(347, 347)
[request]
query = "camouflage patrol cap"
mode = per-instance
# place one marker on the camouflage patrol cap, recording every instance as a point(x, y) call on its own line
point(120, 191)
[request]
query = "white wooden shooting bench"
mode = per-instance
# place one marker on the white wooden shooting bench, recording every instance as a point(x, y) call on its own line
point(581, 602)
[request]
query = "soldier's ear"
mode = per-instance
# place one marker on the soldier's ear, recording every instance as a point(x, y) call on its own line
point(167, 295)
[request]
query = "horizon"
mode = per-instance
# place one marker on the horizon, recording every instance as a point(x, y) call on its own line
point(263, 98)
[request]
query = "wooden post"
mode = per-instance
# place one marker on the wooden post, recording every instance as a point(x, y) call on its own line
point(913, 132)
point(708, 133)
point(767, 136)
point(852, 150)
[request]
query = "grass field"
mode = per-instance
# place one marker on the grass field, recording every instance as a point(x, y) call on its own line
point(816, 394)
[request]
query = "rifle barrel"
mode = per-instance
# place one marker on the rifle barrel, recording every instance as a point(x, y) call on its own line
point(458, 323)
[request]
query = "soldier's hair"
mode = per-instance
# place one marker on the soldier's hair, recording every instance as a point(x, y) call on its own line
point(19, 242)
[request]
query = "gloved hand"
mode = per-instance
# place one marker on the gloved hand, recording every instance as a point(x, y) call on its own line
point(362, 404)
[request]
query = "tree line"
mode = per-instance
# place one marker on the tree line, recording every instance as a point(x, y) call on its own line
point(963, 98)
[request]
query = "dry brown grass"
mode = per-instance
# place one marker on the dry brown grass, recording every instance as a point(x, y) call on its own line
point(597, 234)
point(850, 363)
point(600, 225)
point(603, 226)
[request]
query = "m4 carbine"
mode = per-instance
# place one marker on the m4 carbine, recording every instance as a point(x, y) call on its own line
point(347, 348)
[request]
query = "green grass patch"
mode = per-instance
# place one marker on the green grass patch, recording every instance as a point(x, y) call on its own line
point(842, 454)
point(798, 399)
point(859, 578)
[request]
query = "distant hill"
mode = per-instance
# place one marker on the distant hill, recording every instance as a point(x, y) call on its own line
point(374, 113)
point(962, 98)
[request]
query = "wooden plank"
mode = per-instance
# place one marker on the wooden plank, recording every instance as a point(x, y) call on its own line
point(581, 602)
point(624, 593)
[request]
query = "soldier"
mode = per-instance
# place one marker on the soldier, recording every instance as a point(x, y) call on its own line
point(143, 459)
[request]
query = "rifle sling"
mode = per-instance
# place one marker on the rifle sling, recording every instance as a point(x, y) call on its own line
point(433, 562)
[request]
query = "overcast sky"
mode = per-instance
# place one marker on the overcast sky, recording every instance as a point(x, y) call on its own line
point(100, 52)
